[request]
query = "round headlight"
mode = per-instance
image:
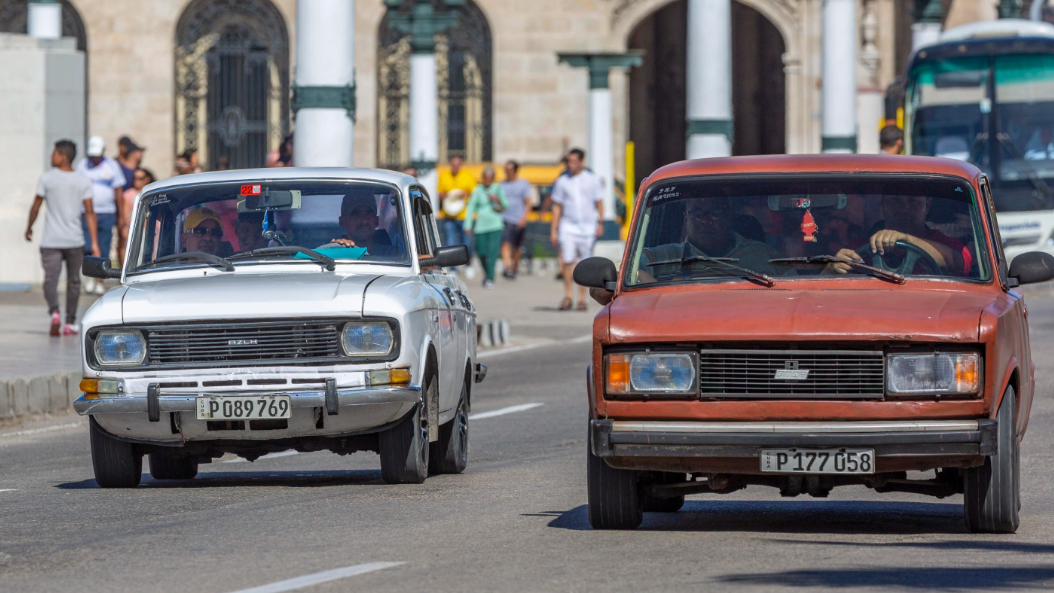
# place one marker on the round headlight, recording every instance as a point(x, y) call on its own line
point(120, 348)
point(372, 338)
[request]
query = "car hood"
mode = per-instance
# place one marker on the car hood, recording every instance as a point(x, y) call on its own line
point(781, 314)
point(246, 296)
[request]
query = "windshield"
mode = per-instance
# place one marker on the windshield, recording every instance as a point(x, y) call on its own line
point(1025, 92)
point(198, 225)
point(794, 227)
point(947, 100)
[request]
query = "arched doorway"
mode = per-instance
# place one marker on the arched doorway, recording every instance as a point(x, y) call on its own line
point(463, 77)
point(232, 82)
point(657, 90)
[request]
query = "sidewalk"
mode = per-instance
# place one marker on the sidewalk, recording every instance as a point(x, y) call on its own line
point(530, 304)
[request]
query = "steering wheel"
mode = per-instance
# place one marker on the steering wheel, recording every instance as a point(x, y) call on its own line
point(914, 255)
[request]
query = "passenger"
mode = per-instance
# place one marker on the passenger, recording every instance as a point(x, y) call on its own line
point(1041, 147)
point(249, 230)
point(709, 232)
point(359, 219)
point(202, 231)
point(904, 219)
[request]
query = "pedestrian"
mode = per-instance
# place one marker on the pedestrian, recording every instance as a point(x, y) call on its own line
point(454, 187)
point(129, 156)
point(483, 222)
point(140, 178)
point(283, 157)
point(107, 186)
point(187, 162)
point(65, 192)
point(518, 192)
point(578, 212)
point(411, 171)
point(891, 139)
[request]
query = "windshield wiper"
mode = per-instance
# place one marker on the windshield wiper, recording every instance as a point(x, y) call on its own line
point(1022, 162)
point(833, 259)
point(325, 260)
point(208, 258)
point(721, 261)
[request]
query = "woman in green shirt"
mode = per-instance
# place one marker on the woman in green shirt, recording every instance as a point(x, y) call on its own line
point(483, 221)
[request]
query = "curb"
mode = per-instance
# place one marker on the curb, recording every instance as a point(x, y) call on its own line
point(492, 332)
point(38, 395)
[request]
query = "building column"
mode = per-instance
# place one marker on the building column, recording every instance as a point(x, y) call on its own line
point(709, 66)
point(839, 76)
point(44, 19)
point(929, 18)
point(601, 154)
point(871, 104)
point(324, 88)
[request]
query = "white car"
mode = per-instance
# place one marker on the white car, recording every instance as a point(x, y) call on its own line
point(275, 309)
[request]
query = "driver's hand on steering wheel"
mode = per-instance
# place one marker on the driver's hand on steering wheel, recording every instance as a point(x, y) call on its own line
point(885, 240)
point(344, 242)
point(840, 268)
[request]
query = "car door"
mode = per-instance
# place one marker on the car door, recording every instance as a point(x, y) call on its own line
point(445, 337)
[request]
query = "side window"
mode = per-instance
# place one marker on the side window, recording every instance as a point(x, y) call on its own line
point(989, 209)
point(424, 226)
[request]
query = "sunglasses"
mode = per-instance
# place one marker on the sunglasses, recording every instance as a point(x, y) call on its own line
point(141, 178)
point(202, 231)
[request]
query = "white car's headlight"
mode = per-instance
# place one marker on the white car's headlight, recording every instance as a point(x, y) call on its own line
point(120, 348)
point(670, 373)
point(367, 339)
point(925, 374)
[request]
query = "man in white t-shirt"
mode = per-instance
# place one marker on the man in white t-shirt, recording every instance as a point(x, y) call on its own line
point(107, 186)
point(578, 214)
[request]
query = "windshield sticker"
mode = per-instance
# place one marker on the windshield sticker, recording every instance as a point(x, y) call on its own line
point(251, 190)
point(158, 199)
point(804, 203)
point(809, 228)
point(666, 193)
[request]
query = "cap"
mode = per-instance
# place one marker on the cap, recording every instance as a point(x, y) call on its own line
point(198, 216)
point(354, 199)
point(96, 146)
point(129, 145)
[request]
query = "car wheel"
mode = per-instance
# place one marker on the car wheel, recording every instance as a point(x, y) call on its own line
point(404, 447)
point(615, 500)
point(117, 464)
point(450, 455)
point(992, 492)
point(171, 467)
point(672, 504)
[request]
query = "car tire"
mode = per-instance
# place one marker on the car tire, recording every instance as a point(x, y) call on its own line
point(404, 447)
point(671, 504)
point(614, 495)
point(170, 467)
point(117, 464)
point(450, 455)
point(992, 492)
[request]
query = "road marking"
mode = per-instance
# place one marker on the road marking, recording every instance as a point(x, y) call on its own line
point(319, 577)
point(7, 489)
point(502, 411)
point(268, 456)
point(514, 349)
point(22, 433)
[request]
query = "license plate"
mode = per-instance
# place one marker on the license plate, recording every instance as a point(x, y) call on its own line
point(818, 461)
point(265, 407)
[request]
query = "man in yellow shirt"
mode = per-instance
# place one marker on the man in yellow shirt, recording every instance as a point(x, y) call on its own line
point(452, 218)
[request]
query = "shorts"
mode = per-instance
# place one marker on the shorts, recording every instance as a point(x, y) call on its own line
point(513, 235)
point(575, 246)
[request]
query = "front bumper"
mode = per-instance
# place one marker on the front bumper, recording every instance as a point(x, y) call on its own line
point(745, 440)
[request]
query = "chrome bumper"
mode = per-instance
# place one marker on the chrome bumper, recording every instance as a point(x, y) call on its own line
point(186, 402)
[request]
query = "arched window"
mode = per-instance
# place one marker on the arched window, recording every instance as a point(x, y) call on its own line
point(232, 82)
point(463, 77)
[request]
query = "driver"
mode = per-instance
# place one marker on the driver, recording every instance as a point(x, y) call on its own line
point(202, 231)
point(709, 232)
point(359, 219)
point(904, 219)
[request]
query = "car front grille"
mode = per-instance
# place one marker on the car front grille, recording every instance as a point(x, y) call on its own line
point(243, 343)
point(791, 374)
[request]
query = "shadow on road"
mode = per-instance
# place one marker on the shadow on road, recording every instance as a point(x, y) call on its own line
point(791, 517)
point(308, 479)
point(954, 545)
point(930, 579)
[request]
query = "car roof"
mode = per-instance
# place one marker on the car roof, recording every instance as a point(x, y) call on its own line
point(279, 173)
point(817, 163)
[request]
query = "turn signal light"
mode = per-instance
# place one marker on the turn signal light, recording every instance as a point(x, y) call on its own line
point(390, 377)
point(617, 373)
point(95, 386)
point(967, 375)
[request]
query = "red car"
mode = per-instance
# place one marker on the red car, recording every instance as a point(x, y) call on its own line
point(808, 322)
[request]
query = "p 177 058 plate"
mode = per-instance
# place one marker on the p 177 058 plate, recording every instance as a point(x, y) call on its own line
point(818, 461)
point(243, 407)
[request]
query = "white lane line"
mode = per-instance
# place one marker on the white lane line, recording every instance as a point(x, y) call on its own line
point(502, 411)
point(7, 489)
point(22, 433)
point(268, 456)
point(319, 577)
point(514, 349)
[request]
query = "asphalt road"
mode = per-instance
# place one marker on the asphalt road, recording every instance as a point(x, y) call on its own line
point(515, 521)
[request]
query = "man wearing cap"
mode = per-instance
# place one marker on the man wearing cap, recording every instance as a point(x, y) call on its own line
point(359, 219)
point(108, 182)
point(202, 231)
point(457, 184)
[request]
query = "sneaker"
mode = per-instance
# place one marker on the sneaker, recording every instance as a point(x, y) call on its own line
point(470, 272)
point(100, 289)
point(89, 285)
point(70, 330)
point(56, 323)
point(488, 285)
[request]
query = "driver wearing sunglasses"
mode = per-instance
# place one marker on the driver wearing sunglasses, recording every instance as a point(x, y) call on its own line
point(202, 231)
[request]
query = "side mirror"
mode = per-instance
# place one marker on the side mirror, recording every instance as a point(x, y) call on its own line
point(99, 267)
point(446, 257)
point(1031, 267)
point(596, 272)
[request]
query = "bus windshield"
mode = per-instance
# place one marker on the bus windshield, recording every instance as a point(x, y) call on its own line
point(946, 105)
point(1025, 92)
